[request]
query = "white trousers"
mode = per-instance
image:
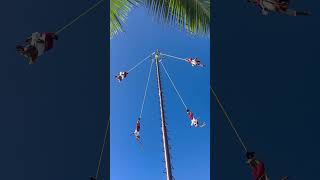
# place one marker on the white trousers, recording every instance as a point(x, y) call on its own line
point(194, 122)
point(136, 133)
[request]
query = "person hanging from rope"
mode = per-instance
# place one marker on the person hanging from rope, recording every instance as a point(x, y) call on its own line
point(280, 6)
point(257, 167)
point(121, 76)
point(194, 121)
point(36, 45)
point(195, 62)
point(136, 132)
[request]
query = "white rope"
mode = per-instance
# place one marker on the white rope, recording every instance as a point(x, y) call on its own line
point(102, 149)
point(173, 85)
point(140, 62)
point(182, 59)
point(77, 18)
point(230, 122)
point(146, 89)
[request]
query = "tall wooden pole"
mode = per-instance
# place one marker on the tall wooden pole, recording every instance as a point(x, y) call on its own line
point(163, 123)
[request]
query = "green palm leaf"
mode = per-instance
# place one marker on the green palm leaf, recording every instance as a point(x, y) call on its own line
point(119, 10)
point(191, 15)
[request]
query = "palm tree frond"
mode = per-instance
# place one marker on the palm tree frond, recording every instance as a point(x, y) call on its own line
point(191, 15)
point(119, 10)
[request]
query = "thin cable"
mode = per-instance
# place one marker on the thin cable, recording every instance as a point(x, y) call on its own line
point(173, 85)
point(140, 62)
point(146, 89)
point(102, 149)
point(77, 18)
point(230, 122)
point(173, 57)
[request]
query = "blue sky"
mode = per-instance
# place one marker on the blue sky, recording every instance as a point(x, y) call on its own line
point(266, 72)
point(190, 147)
point(53, 113)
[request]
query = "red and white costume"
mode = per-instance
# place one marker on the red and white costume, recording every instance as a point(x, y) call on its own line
point(121, 76)
point(137, 130)
point(194, 121)
point(42, 41)
point(194, 62)
point(258, 170)
point(36, 45)
point(281, 6)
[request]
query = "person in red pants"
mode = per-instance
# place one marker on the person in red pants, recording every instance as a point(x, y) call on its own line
point(36, 45)
point(257, 167)
point(121, 76)
point(194, 121)
point(280, 6)
point(194, 62)
point(136, 132)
